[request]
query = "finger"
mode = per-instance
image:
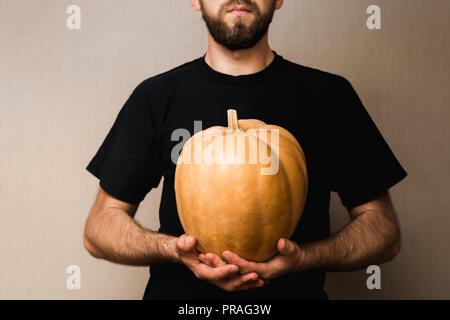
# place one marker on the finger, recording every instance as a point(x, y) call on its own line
point(180, 243)
point(245, 282)
point(190, 242)
point(215, 274)
point(186, 244)
point(253, 276)
point(202, 257)
point(251, 285)
point(215, 260)
point(238, 281)
point(244, 265)
point(285, 247)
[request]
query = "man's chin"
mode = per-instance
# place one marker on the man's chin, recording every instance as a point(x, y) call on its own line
point(231, 20)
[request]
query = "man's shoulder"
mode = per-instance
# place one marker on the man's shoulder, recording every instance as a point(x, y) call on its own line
point(178, 74)
point(314, 76)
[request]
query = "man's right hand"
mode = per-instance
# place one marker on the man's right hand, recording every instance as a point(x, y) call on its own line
point(211, 268)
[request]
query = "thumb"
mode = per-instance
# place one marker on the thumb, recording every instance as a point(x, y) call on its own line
point(186, 244)
point(285, 247)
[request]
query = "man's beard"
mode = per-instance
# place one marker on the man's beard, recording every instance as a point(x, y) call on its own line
point(241, 35)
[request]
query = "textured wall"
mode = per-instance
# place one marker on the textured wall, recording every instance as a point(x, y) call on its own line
point(61, 89)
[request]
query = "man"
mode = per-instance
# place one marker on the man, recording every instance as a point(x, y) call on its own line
point(344, 150)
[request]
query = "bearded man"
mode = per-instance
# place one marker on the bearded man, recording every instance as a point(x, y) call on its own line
point(345, 153)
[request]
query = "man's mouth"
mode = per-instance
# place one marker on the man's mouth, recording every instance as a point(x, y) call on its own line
point(239, 10)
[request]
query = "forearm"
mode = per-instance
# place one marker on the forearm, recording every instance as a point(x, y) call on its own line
point(369, 239)
point(113, 235)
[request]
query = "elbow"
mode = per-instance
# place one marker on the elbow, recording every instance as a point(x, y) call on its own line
point(394, 246)
point(90, 248)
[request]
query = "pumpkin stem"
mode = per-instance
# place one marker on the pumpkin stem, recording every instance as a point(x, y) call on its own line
point(233, 124)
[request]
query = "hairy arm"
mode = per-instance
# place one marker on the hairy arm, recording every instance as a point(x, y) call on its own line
point(372, 237)
point(112, 234)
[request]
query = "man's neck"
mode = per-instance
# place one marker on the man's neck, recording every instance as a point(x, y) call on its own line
point(240, 62)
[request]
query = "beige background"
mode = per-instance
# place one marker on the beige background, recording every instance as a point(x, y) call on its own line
point(60, 91)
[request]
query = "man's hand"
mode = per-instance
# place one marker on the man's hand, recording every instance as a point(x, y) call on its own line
point(286, 261)
point(212, 269)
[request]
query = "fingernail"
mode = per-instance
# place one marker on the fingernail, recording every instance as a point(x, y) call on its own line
point(234, 269)
point(189, 241)
point(226, 255)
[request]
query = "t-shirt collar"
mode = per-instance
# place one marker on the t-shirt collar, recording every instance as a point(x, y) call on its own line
point(266, 73)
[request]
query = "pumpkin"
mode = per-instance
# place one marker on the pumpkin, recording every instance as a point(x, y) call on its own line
point(233, 203)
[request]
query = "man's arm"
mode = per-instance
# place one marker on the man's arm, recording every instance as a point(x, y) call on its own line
point(112, 234)
point(372, 237)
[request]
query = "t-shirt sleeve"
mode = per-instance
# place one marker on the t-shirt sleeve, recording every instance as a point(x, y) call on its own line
point(127, 162)
point(362, 163)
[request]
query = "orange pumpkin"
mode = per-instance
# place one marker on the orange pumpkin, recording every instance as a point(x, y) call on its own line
point(229, 202)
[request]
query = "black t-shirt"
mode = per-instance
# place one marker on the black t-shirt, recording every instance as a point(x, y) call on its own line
point(344, 151)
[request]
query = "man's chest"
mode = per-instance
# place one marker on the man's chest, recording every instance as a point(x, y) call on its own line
point(297, 113)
